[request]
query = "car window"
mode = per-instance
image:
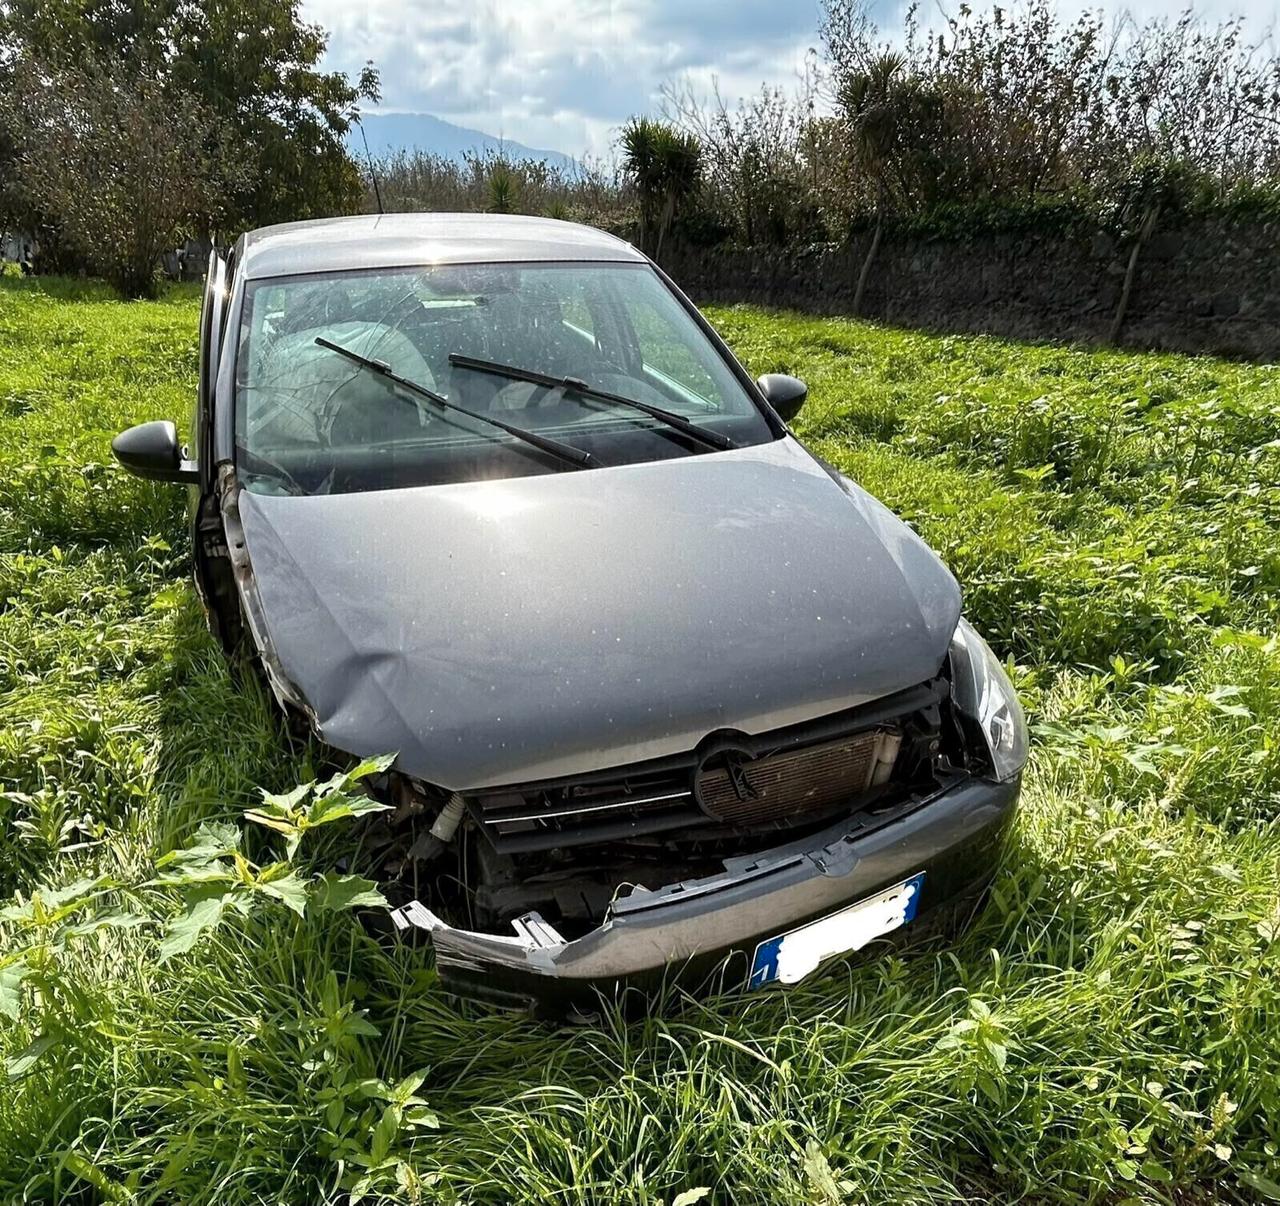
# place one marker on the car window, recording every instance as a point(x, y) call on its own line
point(575, 308)
point(310, 419)
point(666, 355)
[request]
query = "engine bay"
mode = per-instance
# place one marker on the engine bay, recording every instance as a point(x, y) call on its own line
point(568, 849)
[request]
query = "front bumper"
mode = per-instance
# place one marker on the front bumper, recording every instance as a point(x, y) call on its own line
point(700, 929)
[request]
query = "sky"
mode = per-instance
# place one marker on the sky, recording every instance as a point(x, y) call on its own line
point(566, 74)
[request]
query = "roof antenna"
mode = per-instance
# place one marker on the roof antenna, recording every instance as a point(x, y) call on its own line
point(377, 192)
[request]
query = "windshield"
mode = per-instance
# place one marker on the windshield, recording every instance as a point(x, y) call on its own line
point(313, 420)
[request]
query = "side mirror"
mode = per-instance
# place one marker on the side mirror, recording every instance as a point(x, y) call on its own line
point(785, 394)
point(151, 450)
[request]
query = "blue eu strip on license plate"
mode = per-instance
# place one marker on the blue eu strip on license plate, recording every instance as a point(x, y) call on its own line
point(791, 956)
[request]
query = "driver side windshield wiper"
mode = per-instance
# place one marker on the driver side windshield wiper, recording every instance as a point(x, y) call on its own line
point(712, 439)
point(564, 452)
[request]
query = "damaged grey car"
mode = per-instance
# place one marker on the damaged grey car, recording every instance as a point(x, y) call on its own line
point(672, 698)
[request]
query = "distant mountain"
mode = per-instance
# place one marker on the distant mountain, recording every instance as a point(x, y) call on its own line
point(390, 132)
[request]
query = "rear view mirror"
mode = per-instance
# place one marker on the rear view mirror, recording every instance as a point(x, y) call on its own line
point(785, 394)
point(151, 450)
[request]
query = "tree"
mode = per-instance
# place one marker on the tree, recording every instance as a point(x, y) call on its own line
point(252, 65)
point(1025, 102)
point(665, 165)
point(874, 102)
point(116, 169)
point(256, 67)
point(759, 160)
point(1152, 189)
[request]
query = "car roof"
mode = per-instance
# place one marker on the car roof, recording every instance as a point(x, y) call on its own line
point(401, 240)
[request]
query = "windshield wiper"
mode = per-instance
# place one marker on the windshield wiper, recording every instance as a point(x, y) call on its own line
point(712, 439)
point(564, 452)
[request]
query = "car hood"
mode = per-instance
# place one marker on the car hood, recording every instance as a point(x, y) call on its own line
point(529, 628)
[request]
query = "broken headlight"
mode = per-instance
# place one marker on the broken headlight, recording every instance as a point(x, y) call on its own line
point(982, 691)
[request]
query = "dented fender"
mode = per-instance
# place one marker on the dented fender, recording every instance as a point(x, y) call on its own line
point(286, 693)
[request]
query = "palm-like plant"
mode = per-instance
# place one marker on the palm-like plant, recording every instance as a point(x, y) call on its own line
point(503, 188)
point(876, 103)
point(665, 164)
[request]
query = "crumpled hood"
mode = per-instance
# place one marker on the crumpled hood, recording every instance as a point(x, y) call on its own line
point(499, 632)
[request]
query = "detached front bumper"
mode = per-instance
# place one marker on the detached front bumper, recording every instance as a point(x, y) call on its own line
point(692, 931)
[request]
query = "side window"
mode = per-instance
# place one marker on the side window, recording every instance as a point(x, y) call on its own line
point(575, 312)
point(667, 352)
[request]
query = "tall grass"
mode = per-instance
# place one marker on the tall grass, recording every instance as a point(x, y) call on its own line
point(1109, 1027)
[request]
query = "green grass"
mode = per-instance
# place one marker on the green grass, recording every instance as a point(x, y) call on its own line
point(1109, 1028)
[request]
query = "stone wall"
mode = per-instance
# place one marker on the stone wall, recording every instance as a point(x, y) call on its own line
point(1210, 287)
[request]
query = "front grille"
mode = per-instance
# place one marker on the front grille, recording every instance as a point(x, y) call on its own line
point(730, 788)
point(733, 784)
point(793, 784)
point(580, 814)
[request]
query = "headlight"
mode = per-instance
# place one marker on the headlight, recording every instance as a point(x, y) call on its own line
point(983, 692)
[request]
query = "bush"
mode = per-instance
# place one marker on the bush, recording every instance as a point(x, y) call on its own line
point(115, 165)
point(993, 119)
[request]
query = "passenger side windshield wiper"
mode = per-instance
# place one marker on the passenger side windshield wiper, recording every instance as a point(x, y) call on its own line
point(572, 385)
point(564, 452)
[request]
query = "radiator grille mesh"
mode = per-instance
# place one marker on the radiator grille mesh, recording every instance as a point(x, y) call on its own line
point(790, 784)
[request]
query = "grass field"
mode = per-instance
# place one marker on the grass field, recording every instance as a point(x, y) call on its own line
point(1108, 1029)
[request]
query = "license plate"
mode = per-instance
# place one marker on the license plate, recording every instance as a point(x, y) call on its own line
point(792, 956)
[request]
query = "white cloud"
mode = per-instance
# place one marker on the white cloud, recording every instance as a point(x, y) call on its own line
point(564, 74)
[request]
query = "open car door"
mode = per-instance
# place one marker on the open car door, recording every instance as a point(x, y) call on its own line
point(207, 539)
